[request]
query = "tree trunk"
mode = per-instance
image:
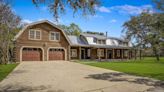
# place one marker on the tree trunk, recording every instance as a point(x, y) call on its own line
point(156, 53)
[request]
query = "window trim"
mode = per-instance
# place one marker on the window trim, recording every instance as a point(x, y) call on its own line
point(99, 52)
point(125, 53)
point(35, 30)
point(55, 33)
point(75, 51)
point(118, 53)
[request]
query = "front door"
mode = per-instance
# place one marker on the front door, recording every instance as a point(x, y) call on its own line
point(110, 54)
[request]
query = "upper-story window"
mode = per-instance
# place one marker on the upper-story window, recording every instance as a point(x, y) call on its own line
point(54, 36)
point(34, 34)
point(94, 40)
point(101, 42)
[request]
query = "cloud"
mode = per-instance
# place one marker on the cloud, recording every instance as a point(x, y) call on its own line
point(26, 21)
point(103, 9)
point(113, 21)
point(132, 10)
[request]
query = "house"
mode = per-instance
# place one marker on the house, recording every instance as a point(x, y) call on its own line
point(44, 41)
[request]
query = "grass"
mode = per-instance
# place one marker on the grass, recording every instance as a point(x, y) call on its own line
point(5, 70)
point(148, 67)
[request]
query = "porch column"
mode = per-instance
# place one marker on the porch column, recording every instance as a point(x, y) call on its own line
point(106, 53)
point(129, 54)
point(122, 53)
point(98, 53)
point(113, 54)
point(69, 53)
point(80, 53)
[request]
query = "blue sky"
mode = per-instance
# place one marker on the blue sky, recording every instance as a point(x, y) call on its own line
point(110, 15)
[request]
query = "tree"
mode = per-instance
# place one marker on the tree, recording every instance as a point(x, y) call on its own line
point(147, 31)
point(72, 29)
point(159, 4)
point(59, 6)
point(8, 28)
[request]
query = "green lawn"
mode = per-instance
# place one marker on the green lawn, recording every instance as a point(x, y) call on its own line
point(6, 69)
point(147, 67)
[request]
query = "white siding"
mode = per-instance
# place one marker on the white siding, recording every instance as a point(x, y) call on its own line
point(109, 42)
point(90, 40)
point(130, 44)
point(112, 42)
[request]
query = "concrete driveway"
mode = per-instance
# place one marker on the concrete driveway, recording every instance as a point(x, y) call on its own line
point(64, 76)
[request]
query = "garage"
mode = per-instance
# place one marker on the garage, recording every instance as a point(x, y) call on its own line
point(31, 54)
point(56, 54)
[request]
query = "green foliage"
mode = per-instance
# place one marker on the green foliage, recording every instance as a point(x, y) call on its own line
point(6, 69)
point(72, 29)
point(146, 67)
point(147, 30)
point(8, 28)
point(98, 33)
point(85, 7)
point(159, 4)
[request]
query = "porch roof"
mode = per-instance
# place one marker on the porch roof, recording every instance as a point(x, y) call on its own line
point(76, 41)
point(110, 46)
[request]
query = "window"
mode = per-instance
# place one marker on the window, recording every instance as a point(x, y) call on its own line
point(34, 34)
point(126, 53)
point(118, 53)
point(54, 36)
point(101, 42)
point(73, 52)
point(94, 40)
point(89, 53)
point(100, 52)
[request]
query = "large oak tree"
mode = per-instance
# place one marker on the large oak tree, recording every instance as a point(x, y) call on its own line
point(85, 7)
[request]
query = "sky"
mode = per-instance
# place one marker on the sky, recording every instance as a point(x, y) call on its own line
point(109, 17)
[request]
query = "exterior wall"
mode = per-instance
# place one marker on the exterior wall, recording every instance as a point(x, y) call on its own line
point(44, 43)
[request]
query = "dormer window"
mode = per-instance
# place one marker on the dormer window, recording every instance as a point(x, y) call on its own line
point(34, 34)
point(94, 40)
point(101, 42)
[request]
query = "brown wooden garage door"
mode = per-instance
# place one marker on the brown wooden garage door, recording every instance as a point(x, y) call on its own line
point(31, 54)
point(56, 54)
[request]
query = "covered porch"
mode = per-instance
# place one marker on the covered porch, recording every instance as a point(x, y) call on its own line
point(100, 53)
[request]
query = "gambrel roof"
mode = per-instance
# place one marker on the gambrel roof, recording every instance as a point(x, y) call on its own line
point(39, 22)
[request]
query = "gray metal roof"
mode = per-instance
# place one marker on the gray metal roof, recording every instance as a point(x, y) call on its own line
point(75, 40)
point(117, 39)
point(109, 46)
point(94, 35)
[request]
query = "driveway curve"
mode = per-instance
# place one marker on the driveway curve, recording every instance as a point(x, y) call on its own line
point(65, 76)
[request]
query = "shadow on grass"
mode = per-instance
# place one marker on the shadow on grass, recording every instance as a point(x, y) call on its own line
point(122, 77)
